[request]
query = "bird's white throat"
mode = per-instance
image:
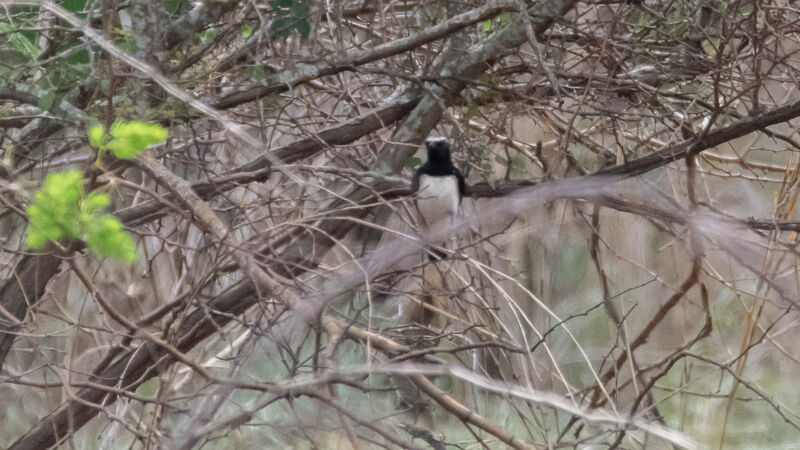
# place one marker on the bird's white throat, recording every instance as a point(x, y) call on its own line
point(437, 198)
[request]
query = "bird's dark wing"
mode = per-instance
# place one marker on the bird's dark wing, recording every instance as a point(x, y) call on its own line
point(461, 185)
point(415, 181)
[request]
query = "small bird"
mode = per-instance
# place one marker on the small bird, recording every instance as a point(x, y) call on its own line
point(440, 187)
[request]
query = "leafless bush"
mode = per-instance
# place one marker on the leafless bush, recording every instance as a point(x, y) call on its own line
point(624, 272)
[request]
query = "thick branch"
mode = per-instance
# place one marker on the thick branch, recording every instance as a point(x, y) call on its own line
point(33, 272)
point(693, 146)
point(134, 368)
point(302, 73)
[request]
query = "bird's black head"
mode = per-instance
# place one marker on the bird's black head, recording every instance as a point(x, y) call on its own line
point(438, 151)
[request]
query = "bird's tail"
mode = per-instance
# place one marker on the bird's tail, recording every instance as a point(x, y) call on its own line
point(434, 293)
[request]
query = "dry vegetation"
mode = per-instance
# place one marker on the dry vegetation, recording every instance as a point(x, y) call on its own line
point(624, 273)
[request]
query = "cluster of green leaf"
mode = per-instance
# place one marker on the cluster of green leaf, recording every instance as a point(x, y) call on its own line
point(61, 66)
point(127, 139)
point(18, 40)
point(500, 21)
point(61, 209)
point(17, 49)
point(290, 15)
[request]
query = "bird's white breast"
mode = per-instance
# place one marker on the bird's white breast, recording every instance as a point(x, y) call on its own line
point(437, 198)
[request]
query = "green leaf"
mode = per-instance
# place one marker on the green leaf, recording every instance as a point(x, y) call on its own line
point(174, 6)
point(46, 101)
point(290, 16)
point(61, 211)
point(55, 212)
point(106, 236)
point(79, 57)
point(246, 31)
point(413, 163)
point(97, 135)
point(130, 138)
point(282, 27)
point(124, 40)
point(35, 239)
point(303, 27)
point(207, 35)
point(74, 6)
point(95, 202)
point(487, 26)
point(64, 73)
point(21, 43)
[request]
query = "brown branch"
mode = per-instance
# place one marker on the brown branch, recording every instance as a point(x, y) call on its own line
point(468, 65)
point(466, 414)
point(594, 251)
point(657, 318)
point(697, 144)
point(748, 386)
point(131, 327)
point(33, 272)
point(11, 294)
point(302, 73)
point(130, 368)
point(447, 402)
point(196, 20)
point(364, 423)
point(208, 220)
